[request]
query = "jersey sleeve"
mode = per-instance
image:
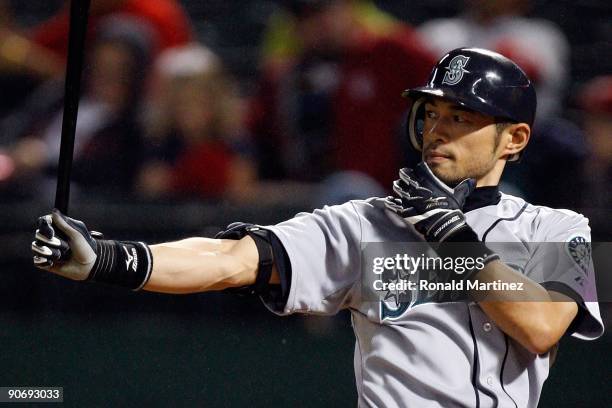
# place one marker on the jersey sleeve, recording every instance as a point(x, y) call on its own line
point(562, 262)
point(323, 250)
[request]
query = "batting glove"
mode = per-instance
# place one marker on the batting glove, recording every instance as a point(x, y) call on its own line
point(70, 251)
point(65, 246)
point(431, 206)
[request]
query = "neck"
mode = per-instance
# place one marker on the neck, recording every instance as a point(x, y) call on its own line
point(493, 176)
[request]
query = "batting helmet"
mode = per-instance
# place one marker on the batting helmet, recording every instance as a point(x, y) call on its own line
point(478, 79)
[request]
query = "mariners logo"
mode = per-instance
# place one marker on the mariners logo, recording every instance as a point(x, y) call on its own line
point(579, 249)
point(455, 70)
point(396, 302)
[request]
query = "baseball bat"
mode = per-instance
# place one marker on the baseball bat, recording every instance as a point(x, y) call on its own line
point(79, 13)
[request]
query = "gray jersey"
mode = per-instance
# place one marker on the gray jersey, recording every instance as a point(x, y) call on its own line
point(430, 354)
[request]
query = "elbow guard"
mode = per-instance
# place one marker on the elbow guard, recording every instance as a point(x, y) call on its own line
point(262, 238)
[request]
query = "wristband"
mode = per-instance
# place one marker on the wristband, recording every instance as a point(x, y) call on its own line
point(123, 263)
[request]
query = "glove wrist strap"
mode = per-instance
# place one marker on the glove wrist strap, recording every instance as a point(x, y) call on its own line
point(446, 226)
point(465, 244)
point(122, 263)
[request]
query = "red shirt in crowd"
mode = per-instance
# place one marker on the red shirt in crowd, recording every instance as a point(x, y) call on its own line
point(167, 17)
point(203, 169)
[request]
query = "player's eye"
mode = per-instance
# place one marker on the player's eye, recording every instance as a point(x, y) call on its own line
point(459, 118)
point(430, 114)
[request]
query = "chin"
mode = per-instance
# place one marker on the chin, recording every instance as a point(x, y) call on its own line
point(444, 173)
point(451, 180)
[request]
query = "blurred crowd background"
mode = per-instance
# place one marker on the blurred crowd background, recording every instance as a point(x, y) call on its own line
point(260, 102)
point(198, 113)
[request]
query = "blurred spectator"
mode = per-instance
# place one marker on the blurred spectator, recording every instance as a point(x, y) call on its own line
point(194, 144)
point(23, 63)
point(282, 40)
point(595, 100)
point(329, 97)
point(166, 17)
point(18, 53)
point(107, 142)
point(538, 46)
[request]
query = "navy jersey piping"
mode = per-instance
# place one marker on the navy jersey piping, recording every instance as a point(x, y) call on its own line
point(475, 357)
point(497, 221)
point(501, 373)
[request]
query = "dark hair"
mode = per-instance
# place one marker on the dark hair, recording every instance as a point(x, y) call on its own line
point(501, 124)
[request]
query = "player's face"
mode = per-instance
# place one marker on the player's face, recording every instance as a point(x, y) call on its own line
point(458, 143)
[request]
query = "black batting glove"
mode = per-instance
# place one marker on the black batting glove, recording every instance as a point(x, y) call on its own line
point(424, 201)
point(65, 246)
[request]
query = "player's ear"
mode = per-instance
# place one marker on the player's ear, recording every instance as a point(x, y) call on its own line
point(514, 137)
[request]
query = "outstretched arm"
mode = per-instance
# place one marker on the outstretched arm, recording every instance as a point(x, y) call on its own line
point(66, 247)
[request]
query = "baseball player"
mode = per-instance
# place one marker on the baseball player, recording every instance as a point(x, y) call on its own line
point(472, 117)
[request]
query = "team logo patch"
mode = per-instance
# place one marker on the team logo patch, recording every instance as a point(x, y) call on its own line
point(394, 305)
point(579, 249)
point(455, 70)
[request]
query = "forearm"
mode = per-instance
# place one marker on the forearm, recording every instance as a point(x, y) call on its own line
point(186, 266)
point(201, 264)
point(530, 316)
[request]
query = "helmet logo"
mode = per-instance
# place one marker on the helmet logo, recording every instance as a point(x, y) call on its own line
point(455, 70)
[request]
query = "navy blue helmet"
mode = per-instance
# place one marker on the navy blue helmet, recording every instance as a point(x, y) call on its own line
point(480, 80)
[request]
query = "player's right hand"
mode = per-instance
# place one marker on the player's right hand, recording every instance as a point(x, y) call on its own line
point(64, 246)
point(432, 207)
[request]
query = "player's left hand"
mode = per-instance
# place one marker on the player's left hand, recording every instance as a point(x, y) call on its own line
point(65, 246)
point(426, 202)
